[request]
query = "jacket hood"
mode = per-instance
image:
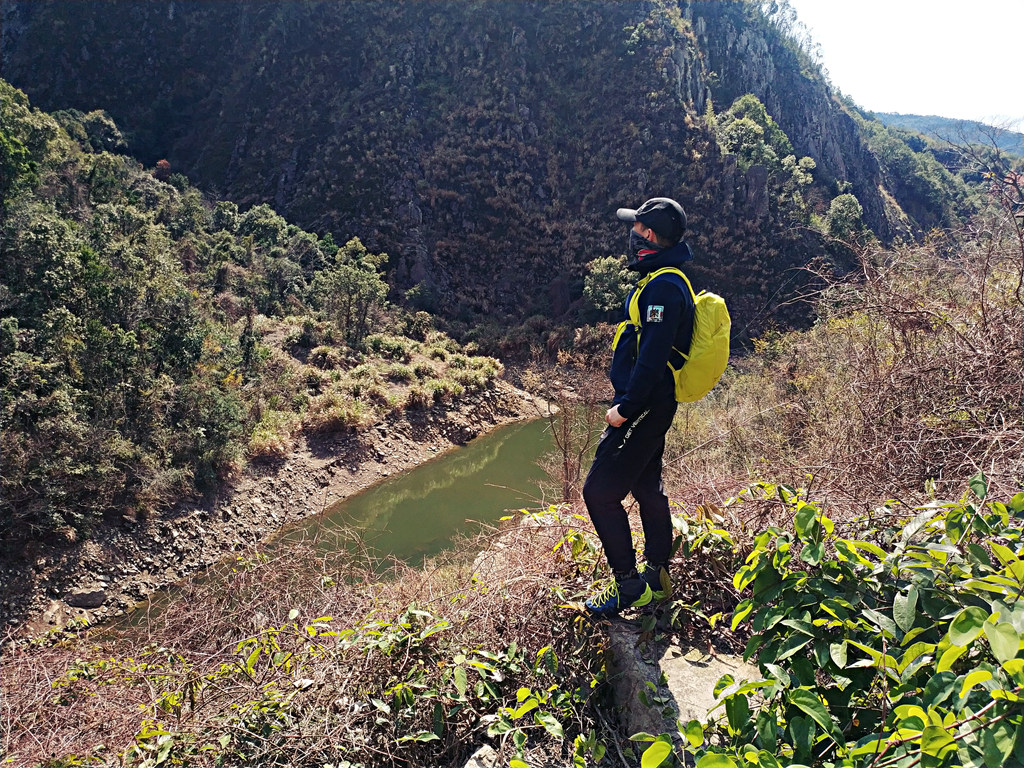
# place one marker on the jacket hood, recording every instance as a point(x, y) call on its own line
point(675, 256)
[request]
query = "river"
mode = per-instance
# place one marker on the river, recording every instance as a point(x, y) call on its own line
point(416, 514)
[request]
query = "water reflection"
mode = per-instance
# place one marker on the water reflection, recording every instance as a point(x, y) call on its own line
point(416, 514)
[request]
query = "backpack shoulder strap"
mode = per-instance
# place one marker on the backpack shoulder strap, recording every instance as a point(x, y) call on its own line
point(672, 271)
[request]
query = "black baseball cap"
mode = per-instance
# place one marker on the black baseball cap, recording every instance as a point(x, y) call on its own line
point(664, 215)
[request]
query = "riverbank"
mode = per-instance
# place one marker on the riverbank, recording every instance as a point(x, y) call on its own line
point(46, 585)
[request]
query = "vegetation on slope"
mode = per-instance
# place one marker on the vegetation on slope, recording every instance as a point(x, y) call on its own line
point(885, 410)
point(150, 341)
point(483, 146)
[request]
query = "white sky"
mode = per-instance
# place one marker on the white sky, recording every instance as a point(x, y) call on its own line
point(954, 58)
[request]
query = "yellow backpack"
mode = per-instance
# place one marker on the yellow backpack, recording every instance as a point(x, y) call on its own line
point(696, 373)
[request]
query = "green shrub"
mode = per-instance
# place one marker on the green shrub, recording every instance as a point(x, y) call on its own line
point(272, 435)
point(423, 371)
point(399, 373)
point(390, 347)
point(898, 645)
point(325, 357)
point(335, 412)
point(420, 396)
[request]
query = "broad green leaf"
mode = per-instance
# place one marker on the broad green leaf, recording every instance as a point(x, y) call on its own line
point(1015, 570)
point(937, 741)
point(804, 522)
point(875, 746)
point(967, 625)
point(766, 759)
point(460, 681)
point(881, 621)
point(867, 546)
point(723, 682)
point(438, 718)
point(979, 554)
point(939, 689)
point(1003, 639)
point(742, 611)
point(766, 724)
point(778, 673)
point(1015, 669)
point(802, 627)
point(528, 706)
point(793, 644)
point(949, 657)
point(655, 754)
point(905, 712)
point(754, 685)
point(1004, 553)
point(1000, 585)
point(425, 736)
point(550, 723)
point(997, 744)
point(812, 705)
point(913, 652)
point(737, 711)
point(979, 484)
point(971, 680)
point(1017, 503)
point(813, 552)
point(694, 733)
point(801, 730)
point(745, 575)
point(713, 760)
point(904, 608)
point(838, 653)
point(878, 659)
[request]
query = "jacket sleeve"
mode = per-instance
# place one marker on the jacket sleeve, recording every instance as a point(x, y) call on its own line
point(667, 300)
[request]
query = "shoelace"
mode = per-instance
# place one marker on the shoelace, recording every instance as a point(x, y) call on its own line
point(610, 590)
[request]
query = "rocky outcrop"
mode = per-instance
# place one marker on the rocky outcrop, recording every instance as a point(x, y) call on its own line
point(658, 684)
point(749, 55)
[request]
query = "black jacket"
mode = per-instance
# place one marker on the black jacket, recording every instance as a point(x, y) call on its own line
point(642, 377)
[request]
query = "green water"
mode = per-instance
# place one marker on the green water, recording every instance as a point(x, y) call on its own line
point(418, 513)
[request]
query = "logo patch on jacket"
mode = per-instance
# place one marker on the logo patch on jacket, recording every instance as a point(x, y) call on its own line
point(655, 313)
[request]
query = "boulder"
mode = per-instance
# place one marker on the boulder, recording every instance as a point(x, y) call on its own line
point(90, 599)
point(658, 683)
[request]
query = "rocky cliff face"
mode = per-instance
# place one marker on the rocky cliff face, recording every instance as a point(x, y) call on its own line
point(749, 55)
point(483, 145)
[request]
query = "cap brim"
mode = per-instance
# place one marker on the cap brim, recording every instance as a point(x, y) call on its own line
point(626, 214)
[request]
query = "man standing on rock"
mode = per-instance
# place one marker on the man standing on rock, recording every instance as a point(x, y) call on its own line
point(629, 455)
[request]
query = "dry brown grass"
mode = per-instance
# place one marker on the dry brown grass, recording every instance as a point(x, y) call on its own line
point(185, 671)
point(910, 381)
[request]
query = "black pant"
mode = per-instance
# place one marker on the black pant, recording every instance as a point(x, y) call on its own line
point(628, 460)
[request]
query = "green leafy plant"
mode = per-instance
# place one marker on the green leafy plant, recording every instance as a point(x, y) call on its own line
point(899, 646)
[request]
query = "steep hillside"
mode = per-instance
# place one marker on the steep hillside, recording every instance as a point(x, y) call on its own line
point(956, 131)
point(483, 145)
point(151, 341)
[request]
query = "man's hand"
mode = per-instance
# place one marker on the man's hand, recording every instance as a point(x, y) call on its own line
point(614, 418)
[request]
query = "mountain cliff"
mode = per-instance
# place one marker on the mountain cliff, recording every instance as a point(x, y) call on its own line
point(483, 145)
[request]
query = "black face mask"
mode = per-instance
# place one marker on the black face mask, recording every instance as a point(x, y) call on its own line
point(638, 243)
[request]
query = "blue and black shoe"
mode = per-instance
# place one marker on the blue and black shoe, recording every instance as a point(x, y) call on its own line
point(619, 594)
point(658, 580)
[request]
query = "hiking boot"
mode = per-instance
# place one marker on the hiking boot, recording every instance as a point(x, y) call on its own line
point(658, 580)
point(619, 594)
